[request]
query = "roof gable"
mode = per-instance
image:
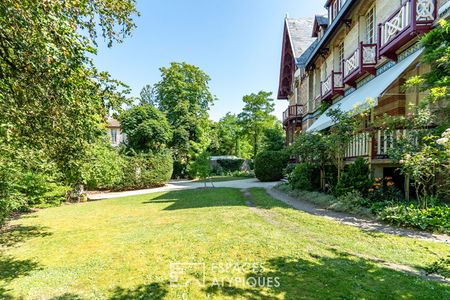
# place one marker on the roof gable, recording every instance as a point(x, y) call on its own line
point(296, 40)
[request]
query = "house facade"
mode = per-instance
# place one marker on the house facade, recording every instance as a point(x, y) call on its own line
point(115, 134)
point(360, 55)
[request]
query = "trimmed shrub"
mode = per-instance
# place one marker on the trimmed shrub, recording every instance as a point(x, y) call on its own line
point(146, 170)
point(230, 165)
point(356, 178)
point(301, 177)
point(103, 168)
point(269, 165)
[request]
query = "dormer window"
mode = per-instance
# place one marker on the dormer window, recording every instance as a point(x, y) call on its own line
point(333, 9)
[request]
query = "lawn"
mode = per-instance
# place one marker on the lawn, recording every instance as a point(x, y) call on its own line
point(137, 247)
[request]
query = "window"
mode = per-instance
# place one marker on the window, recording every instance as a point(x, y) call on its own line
point(114, 136)
point(335, 9)
point(340, 57)
point(370, 26)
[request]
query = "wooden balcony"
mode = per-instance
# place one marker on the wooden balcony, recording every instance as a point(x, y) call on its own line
point(362, 61)
point(293, 112)
point(333, 85)
point(411, 18)
point(358, 146)
point(381, 142)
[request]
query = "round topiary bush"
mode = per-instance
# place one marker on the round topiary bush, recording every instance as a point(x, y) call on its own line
point(269, 165)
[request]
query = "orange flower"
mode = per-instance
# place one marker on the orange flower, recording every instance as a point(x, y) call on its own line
point(388, 178)
point(371, 190)
point(390, 183)
point(377, 179)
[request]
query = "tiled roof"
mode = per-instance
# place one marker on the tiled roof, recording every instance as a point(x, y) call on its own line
point(300, 34)
point(322, 20)
point(301, 61)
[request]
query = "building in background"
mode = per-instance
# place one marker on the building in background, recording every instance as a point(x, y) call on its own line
point(115, 134)
point(361, 50)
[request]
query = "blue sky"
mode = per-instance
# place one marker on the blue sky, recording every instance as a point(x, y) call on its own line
point(236, 42)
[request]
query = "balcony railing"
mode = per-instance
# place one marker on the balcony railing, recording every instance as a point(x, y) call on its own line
point(358, 146)
point(332, 85)
point(413, 17)
point(293, 111)
point(363, 60)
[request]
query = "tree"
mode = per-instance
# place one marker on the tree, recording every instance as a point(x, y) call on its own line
point(423, 159)
point(273, 138)
point(183, 95)
point(229, 135)
point(201, 167)
point(51, 96)
point(256, 115)
point(147, 128)
point(312, 149)
point(146, 95)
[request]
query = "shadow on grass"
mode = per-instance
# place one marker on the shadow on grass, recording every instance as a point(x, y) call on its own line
point(67, 296)
point(11, 268)
point(16, 234)
point(335, 277)
point(154, 291)
point(201, 198)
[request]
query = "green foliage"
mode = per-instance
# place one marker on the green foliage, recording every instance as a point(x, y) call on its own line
point(230, 165)
point(201, 166)
point(311, 148)
point(183, 95)
point(147, 170)
point(147, 128)
point(273, 138)
point(437, 54)
point(255, 116)
point(269, 165)
point(51, 96)
point(103, 168)
point(352, 202)
point(355, 178)
point(301, 177)
point(436, 218)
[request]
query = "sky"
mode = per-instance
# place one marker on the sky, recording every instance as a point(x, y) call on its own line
point(236, 42)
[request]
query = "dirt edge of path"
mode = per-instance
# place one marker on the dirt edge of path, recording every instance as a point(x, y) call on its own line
point(363, 223)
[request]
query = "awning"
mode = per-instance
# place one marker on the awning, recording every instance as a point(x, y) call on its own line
point(371, 90)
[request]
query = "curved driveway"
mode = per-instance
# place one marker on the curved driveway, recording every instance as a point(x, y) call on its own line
point(175, 185)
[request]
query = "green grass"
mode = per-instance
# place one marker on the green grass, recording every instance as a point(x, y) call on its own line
point(122, 249)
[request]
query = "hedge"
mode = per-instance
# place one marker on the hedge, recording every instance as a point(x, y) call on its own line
point(269, 165)
point(230, 165)
point(147, 170)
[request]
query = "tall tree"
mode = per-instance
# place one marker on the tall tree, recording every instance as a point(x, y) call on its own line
point(146, 127)
point(229, 135)
point(256, 115)
point(183, 94)
point(51, 96)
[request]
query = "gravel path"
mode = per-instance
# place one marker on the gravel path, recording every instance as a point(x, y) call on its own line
point(364, 224)
point(175, 185)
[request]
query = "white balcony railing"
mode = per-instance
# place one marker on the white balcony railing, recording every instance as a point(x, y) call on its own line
point(412, 13)
point(327, 85)
point(359, 145)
